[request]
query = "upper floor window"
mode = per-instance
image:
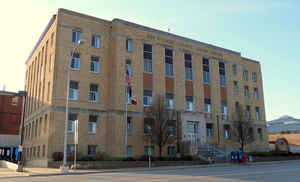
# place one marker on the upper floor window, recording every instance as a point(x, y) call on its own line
point(207, 105)
point(73, 91)
point(75, 64)
point(94, 65)
point(129, 126)
point(147, 126)
point(209, 130)
point(248, 112)
point(71, 122)
point(224, 108)
point(226, 131)
point(50, 62)
point(147, 97)
point(235, 87)
point(96, 41)
point(257, 113)
point(76, 36)
point(260, 134)
point(189, 103)
point(222, 74)
point(93, 95)
point(170, 100)
point(188, 72)
point(205, 67)
point(92, 125)
point(255, 93)
point(254, 76)
point(234, 70)
point(246, 92)
point(147, 58)
point(128, 95)
point(169, 62)
point(128, 45)
point(245, 75)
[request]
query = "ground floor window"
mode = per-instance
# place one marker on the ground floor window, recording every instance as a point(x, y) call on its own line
point(171, 151)
point(92, 149)
point(129, 151)
point(149, 150)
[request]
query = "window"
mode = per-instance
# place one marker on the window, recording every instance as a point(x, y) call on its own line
point(237, 108)
point(222, 75)
point(147, 126)
point(96, 41)
point(169, 62)
point(224, 108)
point(257, 113)
point(226, 131)
point(75, 64)
point(148, 58)
point(128, 45)
point(92, 126)
point(189, 103)
point(188, 72)
point(234, 71)
point(209, 130)
point(147, 97)
point(248, 112)
point(255, 93)
point(245, 75)
point(76, 36)
point(149, 150)
point(128, 95)
point(171, 151)
point(129, 126)
point(250, 133)
point(73, 92)
point(71, 122)
point(193, 127)
point(205, 65)
point(254, 76)
point(92, 149)
point(50, 62)
point(235, 87)
point(94, 65)
point(129, 151)
point(171, 128)
point(93, 96)
point(246, 92)
point(207, 106)
point(170, 100)
point(128, 68)
point(260, 134)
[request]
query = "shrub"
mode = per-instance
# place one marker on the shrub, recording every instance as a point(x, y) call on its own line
point(57, 156)
point(99, 156)
point(85, 158)
point(187, 157)
point(128, 159)
point(145, 158)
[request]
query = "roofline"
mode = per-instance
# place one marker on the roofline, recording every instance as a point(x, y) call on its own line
point(42, 36)
point(251, 60)
point(117, 20)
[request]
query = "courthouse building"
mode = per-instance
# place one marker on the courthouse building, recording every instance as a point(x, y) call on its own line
point(201, 81)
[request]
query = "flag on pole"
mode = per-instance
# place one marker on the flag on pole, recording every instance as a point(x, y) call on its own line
point(133, 100)
point(127, 77)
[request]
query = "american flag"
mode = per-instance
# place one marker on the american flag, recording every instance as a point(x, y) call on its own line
point(127, 77)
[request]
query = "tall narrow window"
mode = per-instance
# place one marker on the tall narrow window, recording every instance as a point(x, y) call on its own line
point(235, 87)
point(224, 109)
point(169, 62)
point(248, 112)
point(92, 125)
point(129, 151)
point(128, 68)
point(207, 105)
point(92, 149)
point(246, 92)
point(254, 76)
point(96, 41)
point(147, 97)
point(226, 131)
point(50, 62)
point(189, 103)
point(129, 126)
point(76, 36)
point(71, 122)
point(147, 58)
point(260, 134)
point(73, 91)
point(188, 72)
point(209, 130)
point(94, 68)
point(222, 75)
point(257, 113)
point(93, 96)
point(255, 93)
point(245, 75)
point(75, 64)
point(237, 108)
point(234, 71)
point(205, 65)
point(170, 100)
point(128, 45)
point(128, 94)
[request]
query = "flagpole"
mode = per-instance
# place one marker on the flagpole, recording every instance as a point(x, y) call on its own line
point(126, 103)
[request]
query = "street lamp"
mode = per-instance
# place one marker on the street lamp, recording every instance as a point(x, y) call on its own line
point(218, 126)
point(20, 158)
point(65, 168)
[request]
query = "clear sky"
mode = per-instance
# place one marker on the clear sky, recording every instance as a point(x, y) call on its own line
point(264, 30)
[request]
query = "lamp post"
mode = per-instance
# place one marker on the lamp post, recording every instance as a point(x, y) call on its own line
point(65, 168)
point(218, 125)
point(20, 158)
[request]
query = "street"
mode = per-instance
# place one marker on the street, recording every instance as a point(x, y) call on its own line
point(277, 172)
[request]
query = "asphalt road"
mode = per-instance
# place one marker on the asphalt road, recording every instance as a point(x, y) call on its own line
point(280, 172)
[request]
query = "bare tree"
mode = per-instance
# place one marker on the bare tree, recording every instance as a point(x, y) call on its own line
point(160, 123)
point(242, 127)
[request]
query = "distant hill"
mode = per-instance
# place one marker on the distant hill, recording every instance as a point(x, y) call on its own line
point(284, 124)
point(284, 120)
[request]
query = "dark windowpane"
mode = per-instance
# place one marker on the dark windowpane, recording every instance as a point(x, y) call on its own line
point(148, 47)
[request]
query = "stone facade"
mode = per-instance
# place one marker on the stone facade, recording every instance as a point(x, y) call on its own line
point(46, 83)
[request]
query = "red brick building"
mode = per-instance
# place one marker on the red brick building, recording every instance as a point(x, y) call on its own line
point(10, 113)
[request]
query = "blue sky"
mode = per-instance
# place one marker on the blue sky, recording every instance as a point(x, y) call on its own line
point(264, 30)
